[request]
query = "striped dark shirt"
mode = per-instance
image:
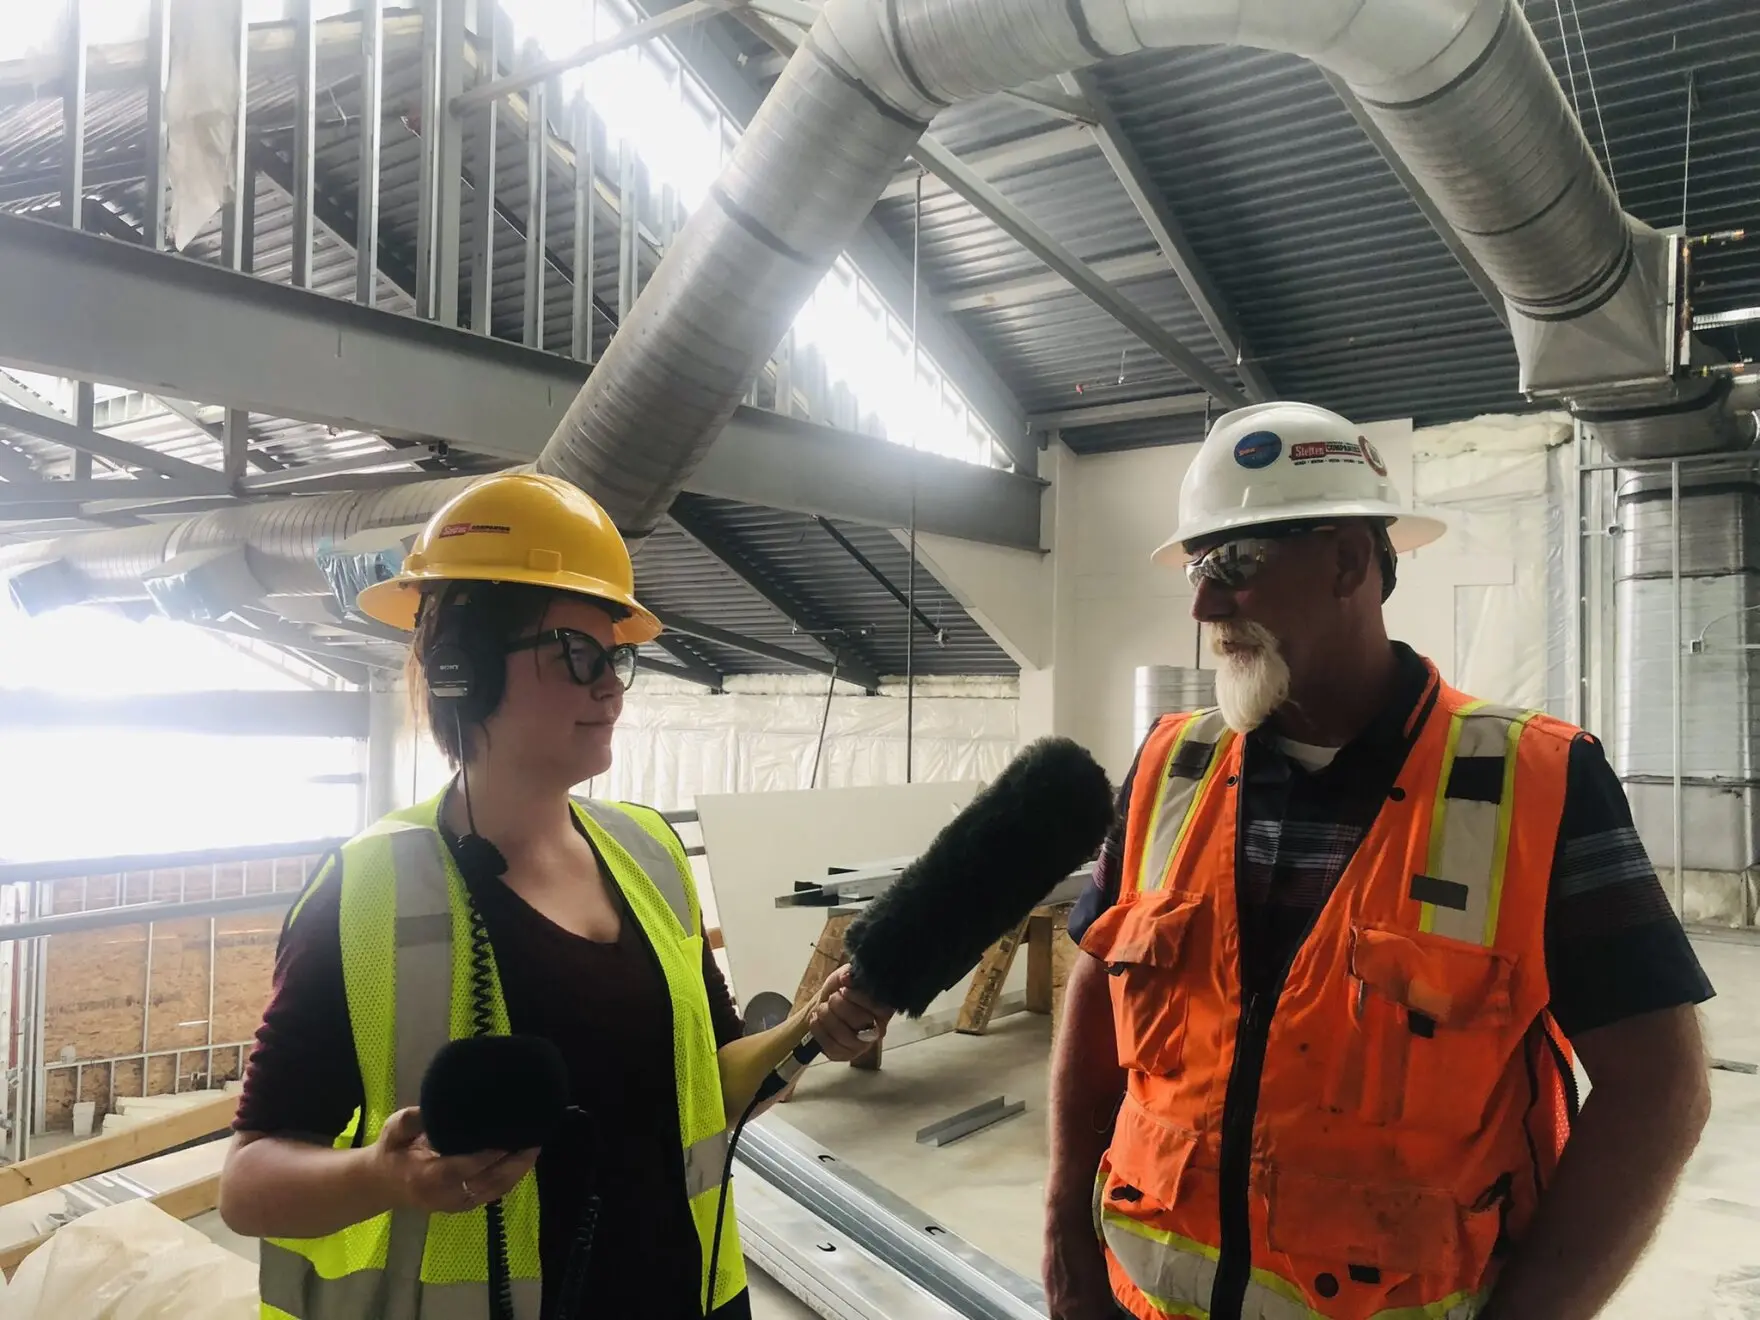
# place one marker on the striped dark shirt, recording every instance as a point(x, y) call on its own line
point(1614, 947)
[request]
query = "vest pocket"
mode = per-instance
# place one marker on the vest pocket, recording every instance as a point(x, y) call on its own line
point(1399, 1229)
point(1142, 944)
point(1430, 1020)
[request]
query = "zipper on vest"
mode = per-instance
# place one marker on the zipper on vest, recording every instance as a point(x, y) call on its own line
point(1240, 1111)
point(1239, 1107)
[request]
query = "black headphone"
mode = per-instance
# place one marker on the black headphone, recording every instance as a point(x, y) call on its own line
point(462, 663)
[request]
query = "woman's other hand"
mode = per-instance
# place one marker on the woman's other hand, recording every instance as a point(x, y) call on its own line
point(845, 1022)
point(417, 1177)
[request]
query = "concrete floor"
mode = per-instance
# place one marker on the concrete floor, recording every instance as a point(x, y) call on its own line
point(1705, 1264)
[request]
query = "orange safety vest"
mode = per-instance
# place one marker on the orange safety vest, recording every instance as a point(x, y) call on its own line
point(1367, 1141)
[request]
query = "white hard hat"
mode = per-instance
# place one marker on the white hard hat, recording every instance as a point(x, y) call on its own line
point(1288, 462)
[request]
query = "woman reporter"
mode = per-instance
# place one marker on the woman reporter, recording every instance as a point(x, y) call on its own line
point(502, 906)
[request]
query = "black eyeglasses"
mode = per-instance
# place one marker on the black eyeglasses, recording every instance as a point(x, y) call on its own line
point(588, 660)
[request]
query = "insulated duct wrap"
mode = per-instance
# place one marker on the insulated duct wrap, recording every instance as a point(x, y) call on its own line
point(280, 538)
point(1460, 87)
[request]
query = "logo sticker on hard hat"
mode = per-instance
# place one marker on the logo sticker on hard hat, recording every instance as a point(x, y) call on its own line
point(1325, 451)
point(1258, 450)
point(468, 529)
point(1372, 457)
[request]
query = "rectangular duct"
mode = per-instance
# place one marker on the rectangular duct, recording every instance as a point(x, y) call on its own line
point(1720, 673)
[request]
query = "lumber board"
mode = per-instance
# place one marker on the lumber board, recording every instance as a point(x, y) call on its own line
point(987, 982)
point(103, 1153)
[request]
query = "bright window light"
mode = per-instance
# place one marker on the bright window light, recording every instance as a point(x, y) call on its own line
point(664, 113)
point(98, 792)
point(661, 112)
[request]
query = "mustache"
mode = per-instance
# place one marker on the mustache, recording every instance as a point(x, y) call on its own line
point(1239, 634)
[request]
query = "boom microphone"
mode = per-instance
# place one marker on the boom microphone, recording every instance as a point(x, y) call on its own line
point(504, 1093)
point(992, 864)
point(1044, 816)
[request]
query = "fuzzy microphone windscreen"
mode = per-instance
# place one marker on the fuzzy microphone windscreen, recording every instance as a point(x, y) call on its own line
point(502, 1093)
point(1044, 816)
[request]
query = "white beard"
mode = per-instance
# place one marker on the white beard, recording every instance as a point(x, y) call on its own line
point(1252, 681)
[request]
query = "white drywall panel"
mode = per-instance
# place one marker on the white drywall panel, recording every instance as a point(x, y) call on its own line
point(760, 844)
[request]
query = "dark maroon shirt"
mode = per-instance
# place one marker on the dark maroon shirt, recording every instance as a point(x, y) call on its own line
point(606, 1007)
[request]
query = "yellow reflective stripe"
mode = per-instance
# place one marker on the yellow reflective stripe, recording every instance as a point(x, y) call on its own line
point(1505, 813)
point(1439, 813)
point(1185, 825)
point(1155, 1258)
point(1178, 793)
point(1456, 1306)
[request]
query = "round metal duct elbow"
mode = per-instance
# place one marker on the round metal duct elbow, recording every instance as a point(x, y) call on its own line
point(1461, 89)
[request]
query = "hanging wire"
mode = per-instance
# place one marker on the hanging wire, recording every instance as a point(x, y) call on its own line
point(1595, 100)
point(825, 718)
point(1687, 154)
point(1570, 68)
point(910, 608)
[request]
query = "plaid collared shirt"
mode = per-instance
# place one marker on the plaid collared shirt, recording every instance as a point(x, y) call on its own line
point(1614, 948)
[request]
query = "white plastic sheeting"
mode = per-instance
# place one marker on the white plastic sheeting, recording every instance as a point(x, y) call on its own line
point(201, 112)
point(1504, 484)
point(761, 736)
point(131, 1261)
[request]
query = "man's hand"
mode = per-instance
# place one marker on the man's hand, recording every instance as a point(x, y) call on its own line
point(846, 1023)
point(415, 1176)
point(1076, 1286)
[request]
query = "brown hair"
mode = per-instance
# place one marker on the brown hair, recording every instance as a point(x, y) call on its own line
point(481, 619)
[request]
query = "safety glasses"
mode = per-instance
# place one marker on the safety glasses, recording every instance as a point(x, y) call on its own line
point(1233, 564)
point(588, 661)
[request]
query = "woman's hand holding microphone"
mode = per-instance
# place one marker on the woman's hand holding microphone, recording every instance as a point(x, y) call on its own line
point(412, 1175)
point(845, 1022)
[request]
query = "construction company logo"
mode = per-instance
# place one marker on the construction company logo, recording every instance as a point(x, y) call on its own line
point(1258, 450)
point(1325, 451)
point(470, 528)
point(1372, 456)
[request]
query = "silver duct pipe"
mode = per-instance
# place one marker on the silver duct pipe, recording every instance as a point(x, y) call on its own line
point(1459, 87)
point(281, 539)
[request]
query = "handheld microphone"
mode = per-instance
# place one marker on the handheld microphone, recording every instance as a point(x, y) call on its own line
point(503, 1093)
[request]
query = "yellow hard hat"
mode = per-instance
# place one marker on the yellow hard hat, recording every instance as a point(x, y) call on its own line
point(518, 527)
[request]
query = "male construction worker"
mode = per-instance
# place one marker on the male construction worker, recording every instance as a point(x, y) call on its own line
point(1338, 957)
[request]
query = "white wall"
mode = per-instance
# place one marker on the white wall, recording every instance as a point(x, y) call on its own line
point(1486, 602)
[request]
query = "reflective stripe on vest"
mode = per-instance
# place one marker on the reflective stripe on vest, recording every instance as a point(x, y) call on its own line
point(1469, 830)
point(292, 1287)
point(648, 853)
point(1462, 885)
point(406, 944)
point(1198, 750)
point(1175, 1275)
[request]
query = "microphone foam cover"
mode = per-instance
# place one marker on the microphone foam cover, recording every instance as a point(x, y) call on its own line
point(1044, 816)
point(503, 1093)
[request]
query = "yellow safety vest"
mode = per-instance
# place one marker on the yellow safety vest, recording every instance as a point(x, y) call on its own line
point(406, 951)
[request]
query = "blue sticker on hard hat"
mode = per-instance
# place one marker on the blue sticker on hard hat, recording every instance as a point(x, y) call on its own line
point(1258, 450)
